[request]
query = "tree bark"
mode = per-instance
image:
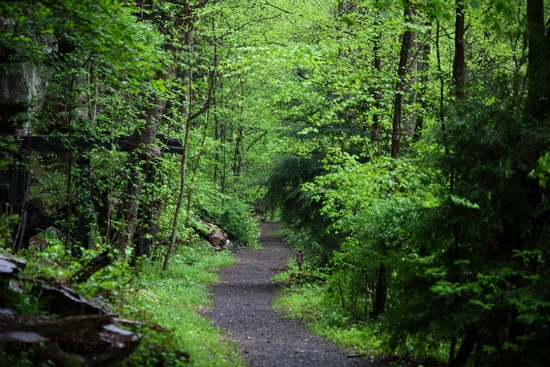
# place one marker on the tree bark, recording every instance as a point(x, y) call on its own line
point(381, 292)
point(183, 161)
point(186, 22)
point(459, 85)
point(406, 44)
point(459, 66)
point(238, 158)
point(145, 149)
point(375, 132)
point(144, 141)
point(538, 73)
point(466, 348)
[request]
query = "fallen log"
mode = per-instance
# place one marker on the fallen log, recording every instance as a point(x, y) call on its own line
point(9, 267)
point(62, 327)
point(95, 264)
point(84, 340)
point(215, 236)
point(84, 334)
point(64, 301)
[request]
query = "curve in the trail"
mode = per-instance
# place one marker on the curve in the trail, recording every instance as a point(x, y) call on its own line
point(242, 307)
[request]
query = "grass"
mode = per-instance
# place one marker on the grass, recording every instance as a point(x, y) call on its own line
point(165, 307)
point(283, 231)
point(169, 305)
point(304, 298)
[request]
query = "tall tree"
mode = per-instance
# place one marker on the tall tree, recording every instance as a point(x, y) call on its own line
point(185, 24)
point(406, 44)
point(538, 72)
point(459, 65)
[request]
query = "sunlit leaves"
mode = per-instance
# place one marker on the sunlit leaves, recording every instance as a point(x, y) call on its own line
point(542, 171)
point(355, 196)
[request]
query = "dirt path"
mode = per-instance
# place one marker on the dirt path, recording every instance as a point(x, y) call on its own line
point(242, 307)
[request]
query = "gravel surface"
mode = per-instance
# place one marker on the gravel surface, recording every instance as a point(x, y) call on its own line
point(242, 306)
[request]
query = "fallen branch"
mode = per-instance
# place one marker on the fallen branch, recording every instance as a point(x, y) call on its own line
point(92, 266)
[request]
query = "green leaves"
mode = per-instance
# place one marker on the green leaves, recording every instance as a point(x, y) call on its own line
point(542, 171)
point(464, 202)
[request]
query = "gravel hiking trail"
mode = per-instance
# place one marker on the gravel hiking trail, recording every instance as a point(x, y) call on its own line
point(242, 307)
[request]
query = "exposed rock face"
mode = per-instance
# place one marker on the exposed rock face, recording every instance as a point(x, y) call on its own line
point(19, 84)
point(21, 80)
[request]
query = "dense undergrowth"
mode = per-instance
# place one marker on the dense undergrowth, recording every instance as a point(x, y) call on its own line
point(306, 295)
point(163, 306)
point(169, 305)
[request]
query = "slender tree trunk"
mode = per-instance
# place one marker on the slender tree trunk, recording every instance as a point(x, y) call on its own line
point(459, 85)
point(223, 139)
point(423, 56)
point(375, 134)
point(466, 348)
point(459, 66)
point(145, 150)
point(381, 292)
point(409, 120)
point(538, 68)
point(406, 44)
point(238, 159)
point(186, 22)
point(194, 173)
point(216, 138)
point(179, 204)
point(183, 162)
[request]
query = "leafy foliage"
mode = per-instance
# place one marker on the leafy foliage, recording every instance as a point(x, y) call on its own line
point(291, 104)
point(168, 305)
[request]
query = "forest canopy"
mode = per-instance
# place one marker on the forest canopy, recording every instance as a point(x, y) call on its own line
point(405, 144)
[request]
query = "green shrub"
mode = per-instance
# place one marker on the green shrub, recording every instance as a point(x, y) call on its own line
point(239, 224)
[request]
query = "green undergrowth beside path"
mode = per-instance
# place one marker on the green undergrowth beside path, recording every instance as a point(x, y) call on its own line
point(168, 306)
point(302, 297)
point(305, 296)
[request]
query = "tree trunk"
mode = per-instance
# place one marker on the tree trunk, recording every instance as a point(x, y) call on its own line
point(409, 120)
point(183, 161)
point(183, 165)
point(375, 133)
point(145, 150)
point(459, 85)
point(381, 292)
point(468, 345)
point(406, 44)
point(423, 56)
point(194, 172)
point(186, 22)
point(238, 159)
point(538, 68)
point(459, 65)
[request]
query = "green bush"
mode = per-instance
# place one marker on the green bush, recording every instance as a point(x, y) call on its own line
point(239, 224)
